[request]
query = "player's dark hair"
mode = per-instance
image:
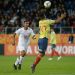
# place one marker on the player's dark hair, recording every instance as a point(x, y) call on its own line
point(42, 14)
point(26, 20)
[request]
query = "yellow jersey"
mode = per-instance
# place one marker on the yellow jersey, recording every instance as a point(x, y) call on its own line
point(52, 38)
point(44, 26)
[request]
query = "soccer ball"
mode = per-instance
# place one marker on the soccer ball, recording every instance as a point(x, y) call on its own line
point(47, 4)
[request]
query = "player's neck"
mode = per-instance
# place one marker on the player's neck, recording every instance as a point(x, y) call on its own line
point(25, 28)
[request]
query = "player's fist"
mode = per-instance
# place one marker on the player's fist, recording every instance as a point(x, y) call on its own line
point(13, 43)
point(34, 37)
point(63, 15)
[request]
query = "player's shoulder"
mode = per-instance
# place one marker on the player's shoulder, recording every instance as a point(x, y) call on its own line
point(30, 29)
point(22, 28)
point(43, 20)
point(48, 20)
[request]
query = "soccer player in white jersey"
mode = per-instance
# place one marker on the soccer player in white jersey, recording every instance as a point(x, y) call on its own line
point(23, 41)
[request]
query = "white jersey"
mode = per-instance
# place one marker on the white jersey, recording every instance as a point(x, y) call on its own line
point(24, 36)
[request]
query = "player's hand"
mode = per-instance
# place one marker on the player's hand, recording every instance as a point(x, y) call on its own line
point(63, 15)
point(34, 37)
point(13, 43)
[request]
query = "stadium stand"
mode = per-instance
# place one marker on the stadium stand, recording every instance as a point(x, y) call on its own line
point(12, 12)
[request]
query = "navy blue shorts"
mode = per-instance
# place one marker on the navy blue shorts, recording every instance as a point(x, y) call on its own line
point(42, 43)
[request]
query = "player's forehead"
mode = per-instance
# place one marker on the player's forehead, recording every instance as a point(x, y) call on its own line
point(27, 22)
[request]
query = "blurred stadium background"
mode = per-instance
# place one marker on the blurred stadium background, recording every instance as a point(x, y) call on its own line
point(12, 13)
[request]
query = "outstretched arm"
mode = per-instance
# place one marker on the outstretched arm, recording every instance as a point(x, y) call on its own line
point(58, 20)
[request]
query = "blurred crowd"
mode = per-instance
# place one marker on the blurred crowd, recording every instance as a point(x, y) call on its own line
point(12, 12)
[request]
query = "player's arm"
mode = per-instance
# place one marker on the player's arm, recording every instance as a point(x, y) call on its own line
point(33, 34)
point(14, 35)
point(17, 32)
point(33, 37)
point(58, 20)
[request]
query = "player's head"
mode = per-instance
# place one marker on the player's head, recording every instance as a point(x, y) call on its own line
point(42, 14)
point(26, 23)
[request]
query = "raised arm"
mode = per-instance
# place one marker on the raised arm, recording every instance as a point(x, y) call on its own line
point(58, 20)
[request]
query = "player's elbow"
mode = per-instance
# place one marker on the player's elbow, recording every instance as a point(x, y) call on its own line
point(58, 21)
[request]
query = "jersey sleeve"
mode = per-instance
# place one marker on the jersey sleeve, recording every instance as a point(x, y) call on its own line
point(51, 22)
point(18, 31)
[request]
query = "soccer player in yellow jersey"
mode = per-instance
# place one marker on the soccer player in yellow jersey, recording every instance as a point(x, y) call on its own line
point(53, 44)
point(44, 26)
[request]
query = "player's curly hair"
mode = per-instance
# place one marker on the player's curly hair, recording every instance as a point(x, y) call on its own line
point(42, 14)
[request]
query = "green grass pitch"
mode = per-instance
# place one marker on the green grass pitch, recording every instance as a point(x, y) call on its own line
point(65, 66)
